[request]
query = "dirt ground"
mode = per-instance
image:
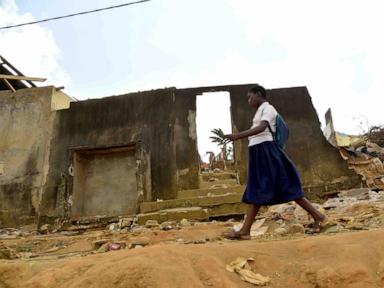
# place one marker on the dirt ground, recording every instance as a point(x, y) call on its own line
point(351, 259)
point(348, 253)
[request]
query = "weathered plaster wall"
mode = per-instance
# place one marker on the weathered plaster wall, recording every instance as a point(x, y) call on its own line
point(26, 123)
point(146, 118)
point(187, 157)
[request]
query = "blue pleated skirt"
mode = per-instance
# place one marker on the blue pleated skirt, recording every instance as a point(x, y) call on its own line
point(272, 177)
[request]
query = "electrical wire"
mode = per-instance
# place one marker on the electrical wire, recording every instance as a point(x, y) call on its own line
point(74, 14)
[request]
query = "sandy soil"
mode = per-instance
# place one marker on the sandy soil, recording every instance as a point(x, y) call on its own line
point(351, 259)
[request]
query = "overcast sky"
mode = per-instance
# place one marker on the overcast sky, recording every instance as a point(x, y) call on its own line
point(335, 48)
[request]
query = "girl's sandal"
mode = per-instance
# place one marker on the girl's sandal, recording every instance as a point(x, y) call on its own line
point(233, 235)
point(317, 227)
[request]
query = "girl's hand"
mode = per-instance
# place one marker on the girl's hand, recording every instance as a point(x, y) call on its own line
point(231, 137)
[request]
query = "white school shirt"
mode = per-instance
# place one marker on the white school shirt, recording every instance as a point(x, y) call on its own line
point(265, 112)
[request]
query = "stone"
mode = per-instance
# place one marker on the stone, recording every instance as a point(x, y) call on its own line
point(44, 229)
point(333, 229)
point(356, 226)
point(142, 241)
point(6, 252)
point(281, 231)
point(103, 248)
point(359, 193)
point(125, 222)
point(168, 225)
point(296, 229)
point(152, 224)
point(98, 243)
point(113, 227)
point(185, 223)
point(333, 203)
point(213, 179)
point(200, 241)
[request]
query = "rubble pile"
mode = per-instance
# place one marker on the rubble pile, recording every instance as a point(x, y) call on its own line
point(366, 158)
point(355, 209)
point(351, 210)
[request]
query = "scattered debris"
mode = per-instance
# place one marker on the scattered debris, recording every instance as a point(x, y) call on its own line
point(45, 229)
point(142, 241)
point(366, 158)
point(168, 225)
point(241, 267)
point(152, 224)
point(110, 246)
point(185, 223)
point(6, 252)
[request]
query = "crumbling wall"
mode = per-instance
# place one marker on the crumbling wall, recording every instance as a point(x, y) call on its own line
point(318, 162)
point(145, 119)
point(37, 153)
point(26, 123)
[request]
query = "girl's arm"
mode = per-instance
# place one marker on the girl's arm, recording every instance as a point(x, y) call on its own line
point(250, 132)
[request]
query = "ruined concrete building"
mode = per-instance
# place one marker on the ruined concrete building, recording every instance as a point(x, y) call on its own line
point(106, 156)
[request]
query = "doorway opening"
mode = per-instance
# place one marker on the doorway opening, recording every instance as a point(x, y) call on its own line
point(213, 120)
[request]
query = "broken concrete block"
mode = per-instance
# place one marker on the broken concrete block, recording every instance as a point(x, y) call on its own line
point(200, 241)
point(152, 224)
point(339, 202)
point(113, 227)
point(125, 222)
point(142, 241)
point(45, 229)
point(185, 223)
point(281, 231)
point(359, 193)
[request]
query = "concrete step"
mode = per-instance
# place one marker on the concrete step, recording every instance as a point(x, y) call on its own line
point(217, 183)
point(204, 201)
point(220, 176)
point(183, 194)
point(193, 213)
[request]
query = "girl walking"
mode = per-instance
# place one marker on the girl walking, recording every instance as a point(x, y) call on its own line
point(272, 177)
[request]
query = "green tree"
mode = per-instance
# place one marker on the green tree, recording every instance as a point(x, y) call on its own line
point(219, 138)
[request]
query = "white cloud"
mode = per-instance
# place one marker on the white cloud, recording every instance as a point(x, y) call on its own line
point(332, 47)
point(31, 49)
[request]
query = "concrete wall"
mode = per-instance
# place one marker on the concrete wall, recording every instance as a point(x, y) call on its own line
point(38, 147)
point(145, 119)
point(26, 123)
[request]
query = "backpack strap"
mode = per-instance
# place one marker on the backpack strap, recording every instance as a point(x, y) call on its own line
point(269, 126)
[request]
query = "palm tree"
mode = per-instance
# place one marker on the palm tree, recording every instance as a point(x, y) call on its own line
point(222, 142)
